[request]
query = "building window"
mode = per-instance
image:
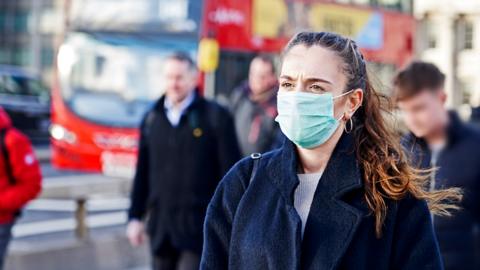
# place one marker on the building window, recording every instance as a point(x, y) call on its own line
point(21, 57)
point(2, 21)
point(431, 33)
point(468, 36)
point(464, 33)
point(4, 55)
point(465, 90)
point(47, 57)
point(21, 22)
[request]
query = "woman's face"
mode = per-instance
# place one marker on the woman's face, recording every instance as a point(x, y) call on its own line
point(316, 70)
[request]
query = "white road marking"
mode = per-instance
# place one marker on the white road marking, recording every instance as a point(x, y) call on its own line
point(68, 224)
point(93, 205)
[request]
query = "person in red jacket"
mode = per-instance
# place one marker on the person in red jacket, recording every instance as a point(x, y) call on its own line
point(20, 177)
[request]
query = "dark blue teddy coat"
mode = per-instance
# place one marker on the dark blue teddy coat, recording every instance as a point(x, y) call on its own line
point(255, 225)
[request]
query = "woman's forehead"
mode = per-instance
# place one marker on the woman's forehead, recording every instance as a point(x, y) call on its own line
point(314, 61)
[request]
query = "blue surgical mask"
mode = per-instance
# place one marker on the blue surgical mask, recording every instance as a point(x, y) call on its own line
point(307, 119)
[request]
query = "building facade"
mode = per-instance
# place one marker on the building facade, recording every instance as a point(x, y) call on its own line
point(30, 31)
point(448, 36)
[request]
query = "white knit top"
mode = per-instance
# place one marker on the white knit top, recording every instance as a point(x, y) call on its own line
point(304, 195)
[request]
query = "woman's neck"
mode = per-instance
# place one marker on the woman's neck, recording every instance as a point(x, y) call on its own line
point(315, 160)
point(439, 135)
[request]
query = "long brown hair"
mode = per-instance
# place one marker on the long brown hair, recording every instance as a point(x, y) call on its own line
point(388, 174)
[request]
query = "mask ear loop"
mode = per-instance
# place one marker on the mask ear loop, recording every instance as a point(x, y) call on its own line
point(344, 94)
point(341, 95)
point(347, 130)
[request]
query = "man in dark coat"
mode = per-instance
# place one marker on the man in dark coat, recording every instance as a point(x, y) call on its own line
point(254, 107)
point(439, 138)
point(186, 145)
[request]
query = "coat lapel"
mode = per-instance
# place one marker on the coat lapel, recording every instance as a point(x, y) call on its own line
point(333, 222)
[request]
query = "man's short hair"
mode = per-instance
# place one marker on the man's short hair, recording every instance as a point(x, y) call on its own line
point(266, 58)
point(183, 57)
point(417, 77)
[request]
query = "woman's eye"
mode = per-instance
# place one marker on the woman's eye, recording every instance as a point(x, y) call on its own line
point(316, 88)
point(286, 85)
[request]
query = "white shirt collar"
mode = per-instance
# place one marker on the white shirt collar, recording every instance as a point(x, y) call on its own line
point(183, 104)
point(174, 113)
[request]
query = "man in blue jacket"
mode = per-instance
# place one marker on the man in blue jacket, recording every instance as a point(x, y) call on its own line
point(439, 139)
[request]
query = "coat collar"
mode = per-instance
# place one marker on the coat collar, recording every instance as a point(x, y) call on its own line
point(283, 169)
point(332, 222)
point(455, 133)
point(184, 104)
point(455, 129)
point(197, 100)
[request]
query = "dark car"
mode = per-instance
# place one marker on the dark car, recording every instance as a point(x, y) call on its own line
point(27, 101)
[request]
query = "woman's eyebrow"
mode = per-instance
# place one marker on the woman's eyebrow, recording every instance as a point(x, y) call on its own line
point(310, 80)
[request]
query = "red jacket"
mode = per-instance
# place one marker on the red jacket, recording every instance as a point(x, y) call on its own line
point(24, 167)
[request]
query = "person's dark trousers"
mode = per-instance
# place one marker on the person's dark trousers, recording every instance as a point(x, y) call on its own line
point(177, 260)
point(5, 235)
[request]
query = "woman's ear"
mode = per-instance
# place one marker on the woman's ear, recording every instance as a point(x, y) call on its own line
point(355, 101)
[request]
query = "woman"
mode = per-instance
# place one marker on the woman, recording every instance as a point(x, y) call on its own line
point(339, 194)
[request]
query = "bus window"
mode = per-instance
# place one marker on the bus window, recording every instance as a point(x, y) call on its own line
point(112, 80)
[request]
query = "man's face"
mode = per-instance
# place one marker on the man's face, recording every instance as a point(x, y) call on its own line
point(180, 80)
point(261, 76)
point(423, 112)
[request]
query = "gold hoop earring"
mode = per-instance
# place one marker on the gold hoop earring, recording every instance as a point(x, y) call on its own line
point(348, 130)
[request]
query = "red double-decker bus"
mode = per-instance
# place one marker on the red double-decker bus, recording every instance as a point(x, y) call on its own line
point(109, 71)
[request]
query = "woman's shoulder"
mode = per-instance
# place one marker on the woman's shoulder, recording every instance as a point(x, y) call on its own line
point(411, 209)
point(236, 180)
point(241, 171)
